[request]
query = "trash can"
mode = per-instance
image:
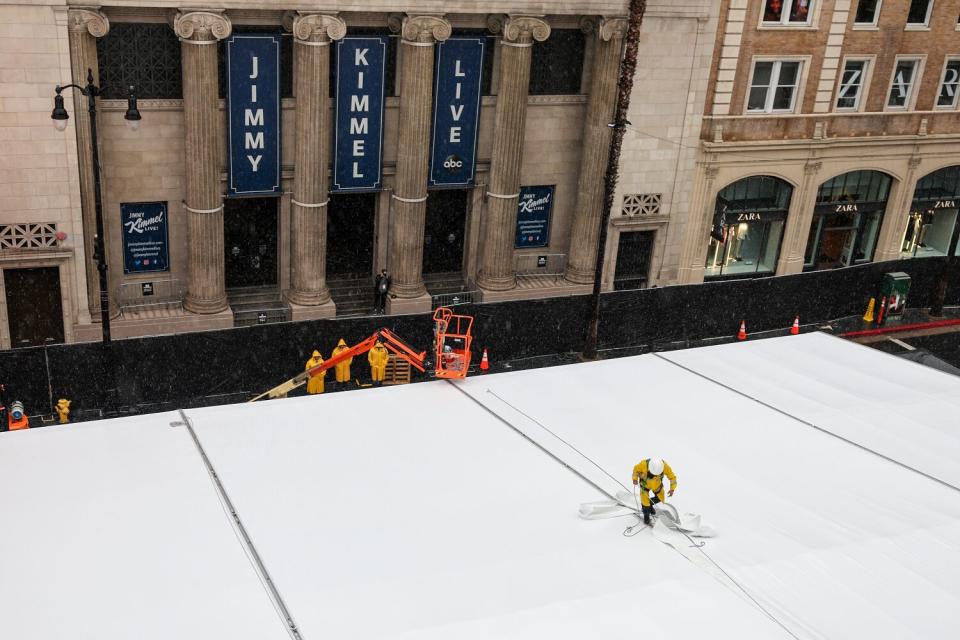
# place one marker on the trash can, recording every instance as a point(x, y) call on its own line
point(896, 286)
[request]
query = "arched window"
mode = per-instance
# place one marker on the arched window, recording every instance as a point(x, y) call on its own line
point(747, 227)
point(846, 220)
point(932, 229)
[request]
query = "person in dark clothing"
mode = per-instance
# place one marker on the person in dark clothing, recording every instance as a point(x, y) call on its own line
point(380, 288)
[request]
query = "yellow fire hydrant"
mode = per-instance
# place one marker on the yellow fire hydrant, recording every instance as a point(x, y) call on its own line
point(63, 410)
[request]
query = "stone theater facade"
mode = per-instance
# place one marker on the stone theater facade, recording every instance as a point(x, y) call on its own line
point(832, 138)
point(285, 155)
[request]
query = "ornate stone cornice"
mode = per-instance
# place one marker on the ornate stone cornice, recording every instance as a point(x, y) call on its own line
point(317, 27)
point(520, 29)
point(202, 25)
point(611, 28)
point(89, 19)
point(425, 29)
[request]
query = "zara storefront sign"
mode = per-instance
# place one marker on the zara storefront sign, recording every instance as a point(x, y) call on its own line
point(534, 207)
point(456, 112)
point(144, 236)
point(358, 132)
point(253, 98)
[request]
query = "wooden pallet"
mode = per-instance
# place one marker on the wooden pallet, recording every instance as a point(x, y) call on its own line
point(398, 371)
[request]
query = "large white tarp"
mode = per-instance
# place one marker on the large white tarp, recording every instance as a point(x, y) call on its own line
point(112, 530)
point(446, 510)
point(414, 513)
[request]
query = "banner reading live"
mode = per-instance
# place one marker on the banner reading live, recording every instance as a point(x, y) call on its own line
point(144, 236)
point(358, 133)
point(456, 110)
point(533, 216)
point(253, 98)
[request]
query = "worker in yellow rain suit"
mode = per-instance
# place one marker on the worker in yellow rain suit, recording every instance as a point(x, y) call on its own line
point(315, 383)
point(342, 367)
point(377, 358)
point(63, 410)
point(648, 474)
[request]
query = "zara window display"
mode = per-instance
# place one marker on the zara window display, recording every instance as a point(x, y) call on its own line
point(906, 76)
point(846, 222)
point(932, 228)
point(774, 85)
point(949, 83)
point(918, 17)
point(788, 12)
point(852, 85)
point(748, 224)
point(868, 12)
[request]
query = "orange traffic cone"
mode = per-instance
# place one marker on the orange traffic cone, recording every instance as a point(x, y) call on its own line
point(484, 361)
point(795, 329)
point(742, 334)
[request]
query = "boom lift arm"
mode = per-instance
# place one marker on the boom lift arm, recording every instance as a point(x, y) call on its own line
point(390, 340)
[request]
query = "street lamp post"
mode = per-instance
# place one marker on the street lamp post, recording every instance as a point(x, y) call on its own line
point(60, 117)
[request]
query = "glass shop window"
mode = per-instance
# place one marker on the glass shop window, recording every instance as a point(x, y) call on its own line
point(556, 64)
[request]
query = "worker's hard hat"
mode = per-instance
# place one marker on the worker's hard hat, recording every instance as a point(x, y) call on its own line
point(316, 354)
point(655, 466)
point(342, 343)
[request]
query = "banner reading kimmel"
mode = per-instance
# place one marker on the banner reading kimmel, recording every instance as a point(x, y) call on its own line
point(358, 132)
point(253, 98)
point(456, 112)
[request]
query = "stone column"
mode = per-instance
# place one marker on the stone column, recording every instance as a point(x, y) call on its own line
point(418, 35)
point(697, 235)
point(799, 218)
point(199, 32)
point(85, 25)
point(312, 37)
point(608, 37)
point(518, 34)
point(897, 215)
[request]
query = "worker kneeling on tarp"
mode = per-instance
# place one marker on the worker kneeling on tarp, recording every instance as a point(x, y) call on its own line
point(648, 474)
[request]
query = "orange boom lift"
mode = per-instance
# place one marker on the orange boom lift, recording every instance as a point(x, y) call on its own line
point(453, 343)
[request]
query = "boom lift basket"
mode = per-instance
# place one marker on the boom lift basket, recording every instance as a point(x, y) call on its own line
point(452, 343)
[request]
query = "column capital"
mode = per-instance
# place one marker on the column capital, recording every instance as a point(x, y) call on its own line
point(519, 29)
point(605, 28)
point(202, 25)
point(812, 168)
point(308, 26)
point(89, 19)
point(425, 29)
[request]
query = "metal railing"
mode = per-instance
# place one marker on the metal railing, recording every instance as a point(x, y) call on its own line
point(453, 299)
point(542, 264)
point(150, 294)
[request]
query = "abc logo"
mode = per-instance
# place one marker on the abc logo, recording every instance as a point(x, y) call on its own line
point(453, 164)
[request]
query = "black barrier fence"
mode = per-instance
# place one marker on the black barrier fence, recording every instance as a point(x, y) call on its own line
point(192, 369)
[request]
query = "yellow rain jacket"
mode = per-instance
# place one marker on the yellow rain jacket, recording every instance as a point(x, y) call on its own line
point(342, 368)
point(315, 383)
point(649, 483)
point(377, 358)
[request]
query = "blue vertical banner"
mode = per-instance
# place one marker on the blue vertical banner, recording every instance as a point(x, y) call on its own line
point(534, 209)
point(145, 246)
point(358, 132)
point(456, 112)
point(253, 99)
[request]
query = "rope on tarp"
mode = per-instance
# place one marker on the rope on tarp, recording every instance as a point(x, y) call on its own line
point(810, 424)
point(241, 532)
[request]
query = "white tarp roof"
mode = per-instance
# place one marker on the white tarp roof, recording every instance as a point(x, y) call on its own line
point(414, 512)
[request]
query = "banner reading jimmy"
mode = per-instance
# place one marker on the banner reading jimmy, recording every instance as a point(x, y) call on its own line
point(253, 99)
point(358, 132)
point(144, 236)
point(533, 216)
point(456, 111)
